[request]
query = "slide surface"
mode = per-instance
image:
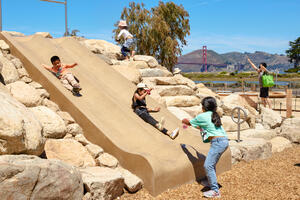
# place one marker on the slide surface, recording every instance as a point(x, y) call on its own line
point(104, 112)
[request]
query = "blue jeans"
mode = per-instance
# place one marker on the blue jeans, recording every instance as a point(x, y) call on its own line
point(217, 147)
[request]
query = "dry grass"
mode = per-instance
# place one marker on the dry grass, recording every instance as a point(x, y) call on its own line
point(274, 178)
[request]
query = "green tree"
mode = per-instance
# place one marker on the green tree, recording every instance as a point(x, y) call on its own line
point(294, 52)
point(159, 32)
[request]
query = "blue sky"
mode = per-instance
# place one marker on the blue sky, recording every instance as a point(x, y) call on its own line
point(222, 25)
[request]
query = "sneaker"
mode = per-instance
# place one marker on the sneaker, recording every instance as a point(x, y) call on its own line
point(77, 89)
point(174, 134)
point(161, 124)
point(211, 194)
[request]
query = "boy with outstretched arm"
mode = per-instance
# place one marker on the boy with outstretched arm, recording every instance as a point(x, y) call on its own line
point(67, 78)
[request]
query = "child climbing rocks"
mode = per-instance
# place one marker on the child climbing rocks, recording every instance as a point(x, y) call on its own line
point(129, 41)
point(209, 122)
point(140, 108)
point(61, 72)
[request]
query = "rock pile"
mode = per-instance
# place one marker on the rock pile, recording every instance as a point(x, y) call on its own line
point(32, 124)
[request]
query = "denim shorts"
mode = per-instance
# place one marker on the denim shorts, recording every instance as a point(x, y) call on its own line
point(129, 43)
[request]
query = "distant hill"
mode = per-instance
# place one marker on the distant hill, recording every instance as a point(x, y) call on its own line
point(231, 61)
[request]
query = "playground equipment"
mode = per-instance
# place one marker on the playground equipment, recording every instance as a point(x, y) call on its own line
point(104, 112)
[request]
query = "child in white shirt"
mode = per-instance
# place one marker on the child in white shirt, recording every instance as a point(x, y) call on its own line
point(129, 41)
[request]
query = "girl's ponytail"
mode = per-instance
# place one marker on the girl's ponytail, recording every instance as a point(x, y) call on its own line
point(216, 119)
point(210, 104)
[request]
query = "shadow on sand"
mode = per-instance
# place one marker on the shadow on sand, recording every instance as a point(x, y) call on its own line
point(197, 159)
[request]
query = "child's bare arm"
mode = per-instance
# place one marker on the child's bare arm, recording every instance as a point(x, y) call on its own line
point(71, 66)
point(46, 66)
point(186, 122)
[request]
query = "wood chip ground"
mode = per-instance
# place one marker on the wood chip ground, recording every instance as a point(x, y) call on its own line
point(274, 178)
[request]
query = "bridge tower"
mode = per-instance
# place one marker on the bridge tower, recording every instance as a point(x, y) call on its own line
point(204, 57)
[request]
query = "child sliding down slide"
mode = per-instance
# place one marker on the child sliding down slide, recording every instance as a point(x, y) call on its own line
point(139, 107)
point(210, 125)
point(66, 78)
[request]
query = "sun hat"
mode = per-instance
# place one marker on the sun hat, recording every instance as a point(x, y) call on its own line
point(142, 86)
point(176, 71)
point(122, 23)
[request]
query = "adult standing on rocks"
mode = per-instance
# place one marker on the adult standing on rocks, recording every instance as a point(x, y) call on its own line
point(264, 91)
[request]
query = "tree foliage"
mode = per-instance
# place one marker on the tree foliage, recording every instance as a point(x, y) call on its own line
point(294, 52)
point(159, 32)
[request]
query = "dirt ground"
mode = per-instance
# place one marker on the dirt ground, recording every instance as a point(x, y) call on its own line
point(275, 178)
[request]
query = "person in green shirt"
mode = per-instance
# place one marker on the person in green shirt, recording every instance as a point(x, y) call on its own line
point(210, 125)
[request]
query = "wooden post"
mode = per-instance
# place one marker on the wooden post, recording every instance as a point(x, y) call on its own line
point(289, 95)
point(243, 85)
point(253, 87)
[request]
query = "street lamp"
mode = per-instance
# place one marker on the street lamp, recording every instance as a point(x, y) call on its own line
point(0, 17)
point(66, 17)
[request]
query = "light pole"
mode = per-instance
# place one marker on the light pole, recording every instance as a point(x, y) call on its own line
point(66, 16)
point(0, 17)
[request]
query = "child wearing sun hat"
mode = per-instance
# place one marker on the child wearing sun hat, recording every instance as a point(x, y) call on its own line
point(129, 40)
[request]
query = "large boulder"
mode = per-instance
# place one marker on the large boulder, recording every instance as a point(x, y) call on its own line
point(69, 151)
point(231, 126)
point(254, 133)
point(182, 101)
point(179, 113)
point(20, 131)
point(270, 118)
point(177, 90)
point(9, 71)
point(44, 34)
point(68, 119)
point(25, 93)
point(280, 143)
point(4, 46)
point(130, 73)
point(53, 125)
point(17, 62)
point(151, 61)
point(250, 149)
point(185, 81)
point(107, 160)
point(94, 150)
point(102, 183)
point(74, 129)
point(290, 129)
point(155, 72)
point(132, 182)
point(240, 101)
point(14, 33)
point(193, 111)
point(138, 64)
point(30, 177)
point(50, 104)
point(102, 47)
point(205, 92)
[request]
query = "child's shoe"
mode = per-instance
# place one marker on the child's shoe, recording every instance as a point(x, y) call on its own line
point(75, 92)
point(174, 134)
point(77, 89)
point(211, 194)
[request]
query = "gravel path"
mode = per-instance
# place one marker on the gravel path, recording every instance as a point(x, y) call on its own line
point(274, 178)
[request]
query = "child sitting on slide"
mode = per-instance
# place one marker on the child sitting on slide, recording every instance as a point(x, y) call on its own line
point(66, 78)
point(139, 107)
point(210, 125)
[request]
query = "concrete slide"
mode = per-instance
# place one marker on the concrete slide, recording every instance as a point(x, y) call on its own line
point(105, 114)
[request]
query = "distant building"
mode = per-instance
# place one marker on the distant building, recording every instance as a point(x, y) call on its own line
point(230, 68)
